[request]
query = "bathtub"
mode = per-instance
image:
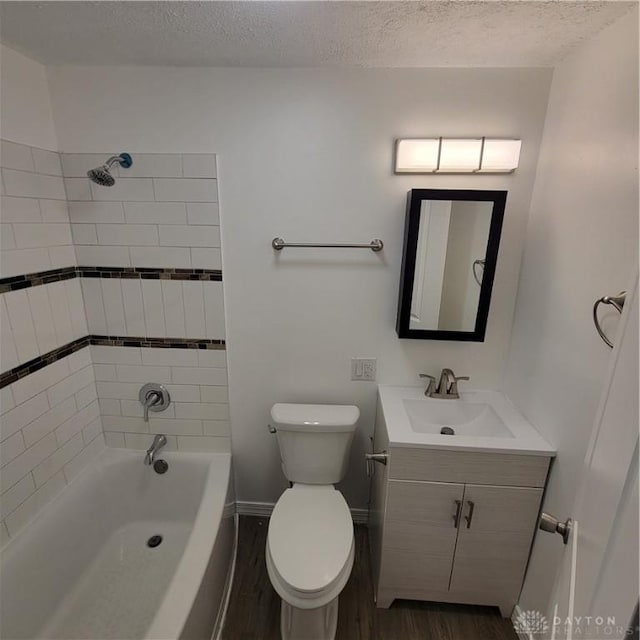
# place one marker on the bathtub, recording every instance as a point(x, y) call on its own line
point(83, 567)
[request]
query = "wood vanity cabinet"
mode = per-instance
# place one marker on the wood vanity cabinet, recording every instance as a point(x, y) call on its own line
point(452, 526)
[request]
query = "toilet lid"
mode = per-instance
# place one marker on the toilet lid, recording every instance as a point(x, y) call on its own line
point(310, 537)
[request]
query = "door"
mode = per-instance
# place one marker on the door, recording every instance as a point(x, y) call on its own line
point(433, 236)
point(420, 534)
point(596, 589)
point(494, 541)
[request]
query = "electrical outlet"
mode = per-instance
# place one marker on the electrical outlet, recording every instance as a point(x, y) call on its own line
point(363, 369)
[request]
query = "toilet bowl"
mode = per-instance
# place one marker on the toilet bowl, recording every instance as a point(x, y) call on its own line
point(310, 544)
point(310, 552)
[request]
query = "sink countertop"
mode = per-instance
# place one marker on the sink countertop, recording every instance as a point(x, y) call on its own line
point(525, 441)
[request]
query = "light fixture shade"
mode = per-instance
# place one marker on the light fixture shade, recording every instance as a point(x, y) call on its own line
point(457, 155)
point(417, 156)
point(460, 154)
point(500, 155)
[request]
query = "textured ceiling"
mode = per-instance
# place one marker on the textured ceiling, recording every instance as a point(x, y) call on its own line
point(435, 33)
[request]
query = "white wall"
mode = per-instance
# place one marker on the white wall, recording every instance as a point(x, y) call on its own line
point(25, 108)
point(582, 243)
point(306, 155)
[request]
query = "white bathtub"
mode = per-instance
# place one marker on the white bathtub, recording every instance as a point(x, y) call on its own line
point(82, 568)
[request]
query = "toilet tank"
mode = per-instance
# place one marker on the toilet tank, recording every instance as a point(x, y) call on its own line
point(314, 440)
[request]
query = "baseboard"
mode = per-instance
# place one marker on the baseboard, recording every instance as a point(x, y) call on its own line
point(259, 509)
point(360, 516)
point(264, 509)
point(517, 612)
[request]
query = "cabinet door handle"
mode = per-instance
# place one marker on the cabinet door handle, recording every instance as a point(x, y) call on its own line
point(456, 515)
point(469, 515)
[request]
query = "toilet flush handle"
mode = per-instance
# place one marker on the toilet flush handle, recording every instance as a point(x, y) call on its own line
point(370, 458)
point(271, 429)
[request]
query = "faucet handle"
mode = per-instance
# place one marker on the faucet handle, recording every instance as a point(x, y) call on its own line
point(454, 385)
point(432, 384)
point(153, 397)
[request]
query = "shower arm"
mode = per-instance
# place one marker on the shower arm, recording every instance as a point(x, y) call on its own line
point(124, 160)
point(112, 160)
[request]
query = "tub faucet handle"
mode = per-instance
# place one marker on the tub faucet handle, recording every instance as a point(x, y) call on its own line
point(151, 400)
point(153, 397)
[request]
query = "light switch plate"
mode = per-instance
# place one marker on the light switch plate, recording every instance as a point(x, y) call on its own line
point(363, 369)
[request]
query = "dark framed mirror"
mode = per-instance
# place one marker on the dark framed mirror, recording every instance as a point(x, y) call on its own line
point(451, 241)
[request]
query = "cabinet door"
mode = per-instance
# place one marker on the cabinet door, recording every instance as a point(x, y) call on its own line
point(493, 545)
point(419, 535)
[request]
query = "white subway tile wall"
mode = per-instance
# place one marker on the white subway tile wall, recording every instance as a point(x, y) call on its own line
point(156, 215)
point(39, 319)
point(50, 428)
point(36, 232)
point(162, 213)
point(154, 308)
point(197, 418)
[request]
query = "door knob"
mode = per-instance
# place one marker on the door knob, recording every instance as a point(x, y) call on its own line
point(553, 525)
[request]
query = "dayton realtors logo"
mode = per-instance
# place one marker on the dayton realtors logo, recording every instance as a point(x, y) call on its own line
point(534, 623)
point(594, 627)
point(531, 622)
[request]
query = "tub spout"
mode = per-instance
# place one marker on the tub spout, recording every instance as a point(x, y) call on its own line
point(158, 442)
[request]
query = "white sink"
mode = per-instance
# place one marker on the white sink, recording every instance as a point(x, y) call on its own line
point(479, 420)
point(455, 418)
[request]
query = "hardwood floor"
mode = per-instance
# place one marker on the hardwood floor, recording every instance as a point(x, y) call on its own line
point(254, 607)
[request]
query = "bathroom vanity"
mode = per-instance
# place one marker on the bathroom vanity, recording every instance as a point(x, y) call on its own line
point(452, 517)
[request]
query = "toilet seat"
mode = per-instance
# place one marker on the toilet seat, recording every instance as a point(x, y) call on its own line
point(310, 545)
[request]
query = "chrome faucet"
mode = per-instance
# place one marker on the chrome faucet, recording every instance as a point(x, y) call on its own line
point(159, 441)
point(447, 387)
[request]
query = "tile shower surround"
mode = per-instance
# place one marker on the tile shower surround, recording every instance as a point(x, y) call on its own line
point(162, 212)
point(50, 429)
point(35, 230)
point(12, 375)
point(150, 286)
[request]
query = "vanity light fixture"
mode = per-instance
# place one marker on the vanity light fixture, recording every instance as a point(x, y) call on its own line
point(457, 155)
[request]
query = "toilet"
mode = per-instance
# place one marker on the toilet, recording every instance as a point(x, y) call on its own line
point(310, 543)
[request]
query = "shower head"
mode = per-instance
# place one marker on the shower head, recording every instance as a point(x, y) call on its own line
point(102, 175)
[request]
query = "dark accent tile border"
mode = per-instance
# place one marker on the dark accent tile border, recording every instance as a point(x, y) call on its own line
point(35, 279)
point(141, 273)
point(12, 375)
point(150, 273)
point(162, 343)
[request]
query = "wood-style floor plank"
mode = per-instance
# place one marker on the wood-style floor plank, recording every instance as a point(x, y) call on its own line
point(254, 607)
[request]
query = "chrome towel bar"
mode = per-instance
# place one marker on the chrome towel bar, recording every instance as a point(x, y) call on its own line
point(375, 245)
point(617, 302)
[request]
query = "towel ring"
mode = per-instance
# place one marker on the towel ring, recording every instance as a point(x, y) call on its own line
point(617, 302)
point(476, 277)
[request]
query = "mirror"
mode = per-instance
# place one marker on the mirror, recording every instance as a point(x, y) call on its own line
point(451, 242)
